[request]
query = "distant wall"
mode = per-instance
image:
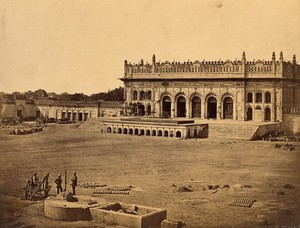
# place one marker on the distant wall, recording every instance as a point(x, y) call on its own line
point(11, 110)
point(58, 109)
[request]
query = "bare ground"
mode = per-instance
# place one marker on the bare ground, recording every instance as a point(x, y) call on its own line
point(157, 167)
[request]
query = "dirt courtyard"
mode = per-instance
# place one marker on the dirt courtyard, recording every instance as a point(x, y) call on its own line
point(156, 167)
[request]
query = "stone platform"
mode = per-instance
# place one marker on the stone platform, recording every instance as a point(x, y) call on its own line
point(58, 209)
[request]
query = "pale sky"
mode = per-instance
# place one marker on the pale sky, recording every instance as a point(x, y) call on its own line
point(80, 45)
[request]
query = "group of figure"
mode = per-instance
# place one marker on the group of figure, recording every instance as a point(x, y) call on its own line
point(58, 183)
point(34, 183)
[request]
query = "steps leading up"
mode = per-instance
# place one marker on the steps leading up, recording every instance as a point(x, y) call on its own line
point(245, 131)
point(92, 124)
point(231, 131)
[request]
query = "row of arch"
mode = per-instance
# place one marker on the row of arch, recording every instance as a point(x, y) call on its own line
point(259, 97)
point(74, 115)
point(146, 132)
point(211, 107)
point(181, 109)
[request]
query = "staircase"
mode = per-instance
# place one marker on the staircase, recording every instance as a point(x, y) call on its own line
point(241, 130)
point(92, 124)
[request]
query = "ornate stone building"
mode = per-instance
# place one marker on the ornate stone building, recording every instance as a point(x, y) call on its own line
point(239, 90)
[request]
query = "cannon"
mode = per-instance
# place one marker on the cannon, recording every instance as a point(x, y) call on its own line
point(39, 190)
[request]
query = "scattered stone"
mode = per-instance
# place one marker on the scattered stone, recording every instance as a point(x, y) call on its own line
point(226, 186)
point(289, 186)
point(214, 191)
point(174, 185)
point(210, 187)
point(247, 186)
point(216, 187)
point(91, 202)
point(289, 147)
point(167, 223)
point(185, 189)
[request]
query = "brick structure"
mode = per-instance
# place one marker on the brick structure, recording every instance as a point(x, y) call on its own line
point(17, 106)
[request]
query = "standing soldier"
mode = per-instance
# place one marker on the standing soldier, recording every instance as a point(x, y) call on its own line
point(34, 180)
point(74, 182)
point(58, 183)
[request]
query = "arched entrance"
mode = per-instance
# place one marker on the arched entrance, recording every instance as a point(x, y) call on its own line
point(228, 108)
point(249, 113)
point(140, 110)
point(267, 114)
point(181, 110)
point(211, 107)
point(166, 133)
point(136, 131)
point(166, 106)
point(196, 107)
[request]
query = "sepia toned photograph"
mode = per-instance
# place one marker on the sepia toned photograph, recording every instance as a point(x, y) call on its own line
point(149, 113)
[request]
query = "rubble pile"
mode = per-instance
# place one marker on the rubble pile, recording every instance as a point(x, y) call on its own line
point(289, 147)
point(24, 131)
point(281, 136)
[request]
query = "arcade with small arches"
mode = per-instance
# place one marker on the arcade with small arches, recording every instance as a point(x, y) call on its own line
point(145, 127)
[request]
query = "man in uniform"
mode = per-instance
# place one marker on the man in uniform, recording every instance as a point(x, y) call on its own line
point(58, 183)
point(74, 182)
point(34, 181)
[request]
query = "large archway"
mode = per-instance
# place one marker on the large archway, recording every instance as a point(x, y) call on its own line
point(212, 107)
point(181, 106)
point(196, 107)
point(228, 108)
point(166, 106)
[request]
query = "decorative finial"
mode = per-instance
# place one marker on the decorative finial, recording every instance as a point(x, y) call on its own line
point(281, 56)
